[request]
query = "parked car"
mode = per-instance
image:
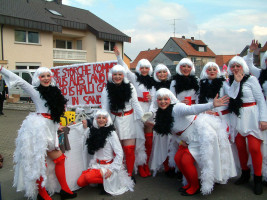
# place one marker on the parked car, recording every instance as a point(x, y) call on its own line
point(27, 75)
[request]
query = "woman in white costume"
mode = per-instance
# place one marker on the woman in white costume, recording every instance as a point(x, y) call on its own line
point(106, 167)
point(161, 142)
point(249, 119)
point(120, 100)
point(211, 84)
point(185, 84)
point(261, 75)
point(37, 138)
point(143, 83)
point(180, 120)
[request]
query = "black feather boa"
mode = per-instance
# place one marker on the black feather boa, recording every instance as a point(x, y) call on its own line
point(235, 104)
point(184, 83)
point(162, 84)
point(55, 101)
point(164, 120)
point(209, 90)
point(263, 76)
point(147, 81)
point(97, 138)
point(118, 95)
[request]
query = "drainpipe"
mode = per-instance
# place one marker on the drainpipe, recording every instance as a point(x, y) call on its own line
point(2, 40)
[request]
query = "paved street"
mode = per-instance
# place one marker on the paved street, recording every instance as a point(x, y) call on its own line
point(158, 188)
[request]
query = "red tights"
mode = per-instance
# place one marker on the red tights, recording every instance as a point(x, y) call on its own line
point(61, 176)
point(129, 152)
point(90, 176)
point(254, 147)
point(42, 191)
point(186, 164)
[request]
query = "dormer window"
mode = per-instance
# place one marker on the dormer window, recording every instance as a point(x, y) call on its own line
point(201, 49)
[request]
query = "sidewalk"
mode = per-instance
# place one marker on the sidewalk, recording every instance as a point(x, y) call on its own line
point(21, 105)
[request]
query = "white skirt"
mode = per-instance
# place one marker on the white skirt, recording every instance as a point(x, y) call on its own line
point(160, 149)
point(118, 183)
point(210, 147)
point(36, 136)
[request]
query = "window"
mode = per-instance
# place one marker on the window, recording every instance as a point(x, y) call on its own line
point(63, 44)
point(109, 46)
point(201, 49)
point(79, 45)
point(30, 37)
point(194, 59)
point(27, 77)
point(27, 65)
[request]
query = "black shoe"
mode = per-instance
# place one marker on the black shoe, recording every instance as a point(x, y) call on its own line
point(181, 189)
point(1, 113)
point(244, 178)
point(258, 185)
point(65, 195)
point(186, 194)
point(133, 179)
point(39, 197)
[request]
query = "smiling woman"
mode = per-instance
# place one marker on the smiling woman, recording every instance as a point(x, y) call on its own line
point(30, 166)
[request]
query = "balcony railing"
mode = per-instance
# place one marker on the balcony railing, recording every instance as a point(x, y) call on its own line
point(69, 55)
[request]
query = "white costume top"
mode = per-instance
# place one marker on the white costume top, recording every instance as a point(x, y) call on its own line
point(125, 125)
point(231, 91)
point(255, 71)
point(140, 88)
point(248, 121)
point(181, 96)
point(29, 163)
point(129, 126)
point(119, 182)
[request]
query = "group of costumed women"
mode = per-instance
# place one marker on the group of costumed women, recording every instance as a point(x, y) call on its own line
point(151, 122)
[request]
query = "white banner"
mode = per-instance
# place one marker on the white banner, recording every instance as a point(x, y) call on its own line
point(82, 84)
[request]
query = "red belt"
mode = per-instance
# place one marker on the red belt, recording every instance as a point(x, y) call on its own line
point(46, 115)
point(123, 113)
point(249, 104)
point(193, 101)
point(181, 132)
point(104, 162)
point(142, 99)
point(224, 112)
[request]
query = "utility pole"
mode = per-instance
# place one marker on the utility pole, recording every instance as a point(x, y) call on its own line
point(174, 25)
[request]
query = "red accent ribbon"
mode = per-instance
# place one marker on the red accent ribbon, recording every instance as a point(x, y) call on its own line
point(181, 132)
point(224, 112)
point(123, 113)
point(46, 115)
point(249, 104)
point(104, 162)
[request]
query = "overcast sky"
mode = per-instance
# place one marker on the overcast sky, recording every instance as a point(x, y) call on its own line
point(225, 26)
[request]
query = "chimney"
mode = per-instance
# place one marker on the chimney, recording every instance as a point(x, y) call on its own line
point(183, 37)
point(192, 38)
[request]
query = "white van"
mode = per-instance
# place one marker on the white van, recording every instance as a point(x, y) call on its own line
point(27, 75)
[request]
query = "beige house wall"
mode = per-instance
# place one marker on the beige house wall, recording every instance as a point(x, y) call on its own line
point(106, 55)
point(27, 53)
point(42, 53)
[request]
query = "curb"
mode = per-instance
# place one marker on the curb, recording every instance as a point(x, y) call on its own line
point(21, 105)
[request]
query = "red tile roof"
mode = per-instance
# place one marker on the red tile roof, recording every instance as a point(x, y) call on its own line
point(149, 55)
point(186, 45)
point(264, 48)
point(223, 59)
